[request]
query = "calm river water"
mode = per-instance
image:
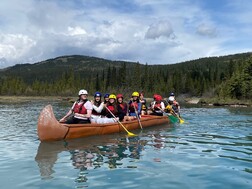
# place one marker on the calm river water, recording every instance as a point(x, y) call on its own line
point(213, 149)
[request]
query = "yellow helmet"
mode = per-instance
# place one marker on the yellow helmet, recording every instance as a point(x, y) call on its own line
point(135, 94)
point(112, 96)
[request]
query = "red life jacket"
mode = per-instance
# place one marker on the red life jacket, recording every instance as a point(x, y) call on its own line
point(132, 105)
point(80, 108)
point(112, 109)
point(123, 107)
point(157, 106)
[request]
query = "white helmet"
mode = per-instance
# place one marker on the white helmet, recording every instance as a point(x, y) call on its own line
point(83, 92)
point(171, 98)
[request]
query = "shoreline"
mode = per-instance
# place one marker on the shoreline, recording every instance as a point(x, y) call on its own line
point(22, 99)
point(189, 100)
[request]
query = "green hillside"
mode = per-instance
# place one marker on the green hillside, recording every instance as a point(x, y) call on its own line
point(209, 77)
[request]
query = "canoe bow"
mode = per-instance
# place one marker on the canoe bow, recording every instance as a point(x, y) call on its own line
point(48, 126)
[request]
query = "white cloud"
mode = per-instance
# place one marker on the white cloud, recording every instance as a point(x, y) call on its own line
point(150, 31)
point(76, 31)
point(158, 29)
point(206, 30)
point(14, 46)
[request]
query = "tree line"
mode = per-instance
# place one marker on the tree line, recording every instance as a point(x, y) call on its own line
point(225, 77)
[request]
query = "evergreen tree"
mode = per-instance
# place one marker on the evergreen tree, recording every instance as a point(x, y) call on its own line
point(97, 83)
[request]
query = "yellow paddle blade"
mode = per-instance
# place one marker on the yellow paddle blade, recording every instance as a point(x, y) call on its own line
point(181, 121)
point(131, 134)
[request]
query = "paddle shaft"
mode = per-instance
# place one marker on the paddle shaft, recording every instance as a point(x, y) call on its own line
point(129, 133)
point(138, 118)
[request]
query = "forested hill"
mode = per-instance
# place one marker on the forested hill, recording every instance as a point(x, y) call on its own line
point(226, 76)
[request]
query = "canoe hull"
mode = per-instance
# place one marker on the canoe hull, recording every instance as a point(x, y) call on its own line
point(49, 129)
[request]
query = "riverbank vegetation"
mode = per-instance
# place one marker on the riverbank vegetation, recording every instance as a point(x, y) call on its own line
point(224, 78)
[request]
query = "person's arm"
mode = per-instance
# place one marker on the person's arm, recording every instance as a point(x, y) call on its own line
point(63, 119)
point(88, 115)
point(162, 106)
point(89, 108)
point(98, 109)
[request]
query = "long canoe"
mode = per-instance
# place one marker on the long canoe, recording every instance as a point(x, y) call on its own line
point(50, 129)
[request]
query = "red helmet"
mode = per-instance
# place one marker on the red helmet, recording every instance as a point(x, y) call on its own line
point(158, 98)
point(119, 96)
point(155, 96)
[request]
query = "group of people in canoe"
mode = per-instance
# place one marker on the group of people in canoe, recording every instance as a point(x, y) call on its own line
point(113, 108)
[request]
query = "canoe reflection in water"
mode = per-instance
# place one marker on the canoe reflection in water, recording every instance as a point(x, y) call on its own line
point(90, 153)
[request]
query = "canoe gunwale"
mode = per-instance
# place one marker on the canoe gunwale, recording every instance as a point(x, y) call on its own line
point(109, 124)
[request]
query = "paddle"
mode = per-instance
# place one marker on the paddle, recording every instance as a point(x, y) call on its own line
point(137, 116)
point(172, 118)
point(129, 133)
point(175, 114)
point(180, 119)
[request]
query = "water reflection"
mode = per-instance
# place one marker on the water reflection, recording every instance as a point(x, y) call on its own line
point(108, 152)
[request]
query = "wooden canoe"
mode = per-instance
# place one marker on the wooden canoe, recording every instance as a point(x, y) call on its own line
point(49, 129)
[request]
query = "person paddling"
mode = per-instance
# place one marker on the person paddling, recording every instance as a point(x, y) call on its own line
point(134, 106)
point(157, 107)
point(80, 111)
point(175, 105)
point(112, 109)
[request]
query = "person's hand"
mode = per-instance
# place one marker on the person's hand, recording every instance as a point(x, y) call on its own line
point(62, 120)
point(77, 114)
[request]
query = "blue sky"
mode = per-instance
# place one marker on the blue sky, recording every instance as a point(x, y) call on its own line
point(147, 31)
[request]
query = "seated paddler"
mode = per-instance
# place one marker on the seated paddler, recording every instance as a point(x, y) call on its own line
point(135, 107)
point(157, 107)
point(80, 111)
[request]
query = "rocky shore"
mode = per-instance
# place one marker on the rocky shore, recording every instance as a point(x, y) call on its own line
point(219, 102)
